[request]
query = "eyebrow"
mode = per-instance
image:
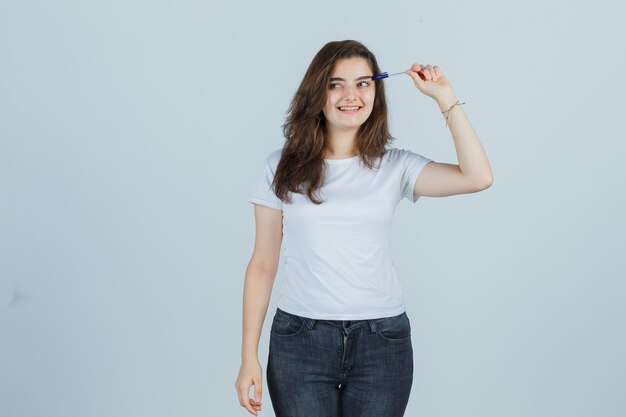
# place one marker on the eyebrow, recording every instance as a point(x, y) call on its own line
point(365, 77)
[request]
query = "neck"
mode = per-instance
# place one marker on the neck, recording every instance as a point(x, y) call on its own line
point(342, 143)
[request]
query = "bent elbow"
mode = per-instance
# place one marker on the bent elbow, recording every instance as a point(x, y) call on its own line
point(484, 183)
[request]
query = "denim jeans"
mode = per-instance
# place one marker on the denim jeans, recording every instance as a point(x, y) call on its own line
point(338, 368)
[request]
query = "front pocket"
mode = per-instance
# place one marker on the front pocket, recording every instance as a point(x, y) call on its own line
point(395, 328)
point(284, 325)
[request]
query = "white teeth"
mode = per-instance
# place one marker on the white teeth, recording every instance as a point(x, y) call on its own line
point(349, 108)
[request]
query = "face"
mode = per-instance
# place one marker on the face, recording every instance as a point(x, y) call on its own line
point(350, 94)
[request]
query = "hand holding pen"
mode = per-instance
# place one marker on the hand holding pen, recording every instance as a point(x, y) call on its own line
point(427, 78)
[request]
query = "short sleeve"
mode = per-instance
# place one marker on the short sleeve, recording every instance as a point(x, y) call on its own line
point(413, 164)
point(261, 192)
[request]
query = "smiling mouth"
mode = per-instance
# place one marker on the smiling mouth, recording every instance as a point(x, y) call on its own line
point(349, 109)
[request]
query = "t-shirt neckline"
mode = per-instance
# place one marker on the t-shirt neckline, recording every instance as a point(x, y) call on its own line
point(340, 161)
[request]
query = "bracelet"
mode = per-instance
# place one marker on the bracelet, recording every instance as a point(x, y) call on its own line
point(447, 112)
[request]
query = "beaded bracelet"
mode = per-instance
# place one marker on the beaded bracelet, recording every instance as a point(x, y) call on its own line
point(447, 112)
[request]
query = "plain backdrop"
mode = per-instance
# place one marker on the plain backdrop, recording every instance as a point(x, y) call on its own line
point(132, 131)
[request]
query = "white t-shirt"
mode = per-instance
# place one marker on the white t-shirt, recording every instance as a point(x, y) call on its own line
point(337, 255)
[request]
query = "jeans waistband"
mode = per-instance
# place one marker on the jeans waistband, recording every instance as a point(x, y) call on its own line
point(352, 324)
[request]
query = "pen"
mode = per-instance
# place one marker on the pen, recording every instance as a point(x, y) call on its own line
point(385, 75)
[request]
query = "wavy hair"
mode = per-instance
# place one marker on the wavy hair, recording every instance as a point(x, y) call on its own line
point(301, 168)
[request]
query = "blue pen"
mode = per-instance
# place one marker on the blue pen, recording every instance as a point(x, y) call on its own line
point(385, 75)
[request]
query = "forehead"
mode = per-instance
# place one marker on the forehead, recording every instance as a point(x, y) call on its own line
point(351, 66)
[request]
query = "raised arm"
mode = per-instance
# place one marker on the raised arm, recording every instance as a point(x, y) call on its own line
point(473, 172)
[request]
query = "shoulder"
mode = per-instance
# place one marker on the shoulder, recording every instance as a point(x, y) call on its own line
point(274, 157)
point(404, 155)
point(394, 154)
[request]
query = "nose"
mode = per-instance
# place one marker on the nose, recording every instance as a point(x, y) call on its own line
point(350, 92)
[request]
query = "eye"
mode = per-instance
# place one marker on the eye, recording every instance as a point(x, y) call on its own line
point(334, 85)
point(364, 82)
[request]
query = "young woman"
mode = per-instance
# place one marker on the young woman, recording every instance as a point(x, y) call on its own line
point(340, 339)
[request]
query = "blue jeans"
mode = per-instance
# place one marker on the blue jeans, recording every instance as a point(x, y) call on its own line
point(338, 368)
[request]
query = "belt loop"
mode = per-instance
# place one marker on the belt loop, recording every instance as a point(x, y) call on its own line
point(372, 324)
point(310, 325)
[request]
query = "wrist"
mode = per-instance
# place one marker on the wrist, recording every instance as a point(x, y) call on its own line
point(250, 358)
point(249, 353)
point(445, 102)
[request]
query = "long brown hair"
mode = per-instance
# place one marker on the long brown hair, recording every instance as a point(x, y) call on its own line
point(301, 168)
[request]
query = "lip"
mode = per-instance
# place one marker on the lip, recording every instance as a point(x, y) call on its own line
point(349, 112)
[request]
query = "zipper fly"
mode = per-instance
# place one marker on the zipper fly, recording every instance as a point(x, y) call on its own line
point(343, 354)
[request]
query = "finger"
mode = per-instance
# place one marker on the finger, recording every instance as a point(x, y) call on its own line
point(428, 72)
point(239, 389)
point(422, 71)
point(244, 399)
point(414, 74)
point(437, 71)
point(433, 74)
point(416, 67)
point(255, 405)
point(257, 389)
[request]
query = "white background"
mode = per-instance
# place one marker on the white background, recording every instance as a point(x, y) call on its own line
point(132, 131)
